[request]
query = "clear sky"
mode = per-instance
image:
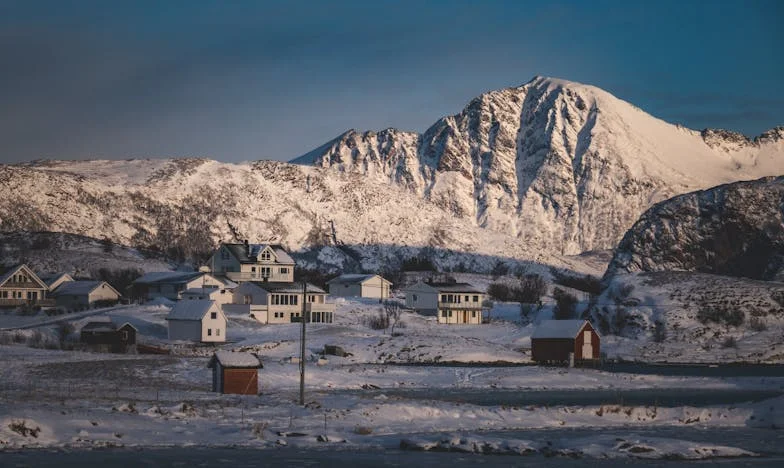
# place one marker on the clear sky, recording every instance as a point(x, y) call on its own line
point(236, 81)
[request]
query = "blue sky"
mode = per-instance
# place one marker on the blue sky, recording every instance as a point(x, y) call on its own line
point(251, 80)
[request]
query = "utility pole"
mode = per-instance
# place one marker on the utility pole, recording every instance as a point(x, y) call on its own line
point(302, 345)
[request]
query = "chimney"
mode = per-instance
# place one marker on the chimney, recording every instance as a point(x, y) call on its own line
point(247, 248)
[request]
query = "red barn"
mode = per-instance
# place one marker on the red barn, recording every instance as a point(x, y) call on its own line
point(554, 340)
point(235, 373)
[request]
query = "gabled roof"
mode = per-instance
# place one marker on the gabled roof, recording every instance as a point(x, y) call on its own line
point(14, 270)
point(167, 277)
point(80, 288)
point(566, 329)
point(455, 287)
point(353, 279)
point(235, 360)
point(281, 287)
point(191, 309)
point(104, 326)
point(51, 278)
point(249, 253)
point(207, 291)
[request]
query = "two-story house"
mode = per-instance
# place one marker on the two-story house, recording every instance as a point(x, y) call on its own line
point(20, 285)
point(451, 303)
point(172, 284)
point(275, 302)
point(252, 262)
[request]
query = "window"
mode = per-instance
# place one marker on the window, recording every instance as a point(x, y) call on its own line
point(124, 335)
point(209, 332)
point(266, 272)
point(473, 314)
point(443, 298)
point(213, 315)
point(293, 299)
point(466, 298)
point(217, 332)
point(443, 313)
point(450, 313)
point(265, 256)
point(476, 298)
point(284, 271)
point(253, 270)
point(415, 297)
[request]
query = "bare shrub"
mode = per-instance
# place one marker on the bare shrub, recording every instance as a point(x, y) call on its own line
point(721, 314)
point(20, 427)
point(380, 321)
point(392, 311)
point(499, 292)
point(729, 342)
point(757, 324)
point(565, 305)
point(659, 331)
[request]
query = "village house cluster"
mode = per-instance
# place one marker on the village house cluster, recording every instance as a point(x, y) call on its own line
point(257, 281)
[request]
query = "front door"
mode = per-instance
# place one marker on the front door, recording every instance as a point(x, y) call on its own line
point(587, 346)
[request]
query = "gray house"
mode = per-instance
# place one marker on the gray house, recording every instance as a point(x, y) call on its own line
point(84, 294)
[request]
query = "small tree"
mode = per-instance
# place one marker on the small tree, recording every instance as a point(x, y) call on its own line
point(659, 331)
point(565, 305)
point(392, 311)
point(64, 331)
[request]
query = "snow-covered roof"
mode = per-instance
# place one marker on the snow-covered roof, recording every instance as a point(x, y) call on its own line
point(190, 310)
point(559, 329)
point(208, 291)
point(249, 253)
point(80, 288)
point(235, 359)
point(13, 270)
point(167, 277)
point(103, 324)
point(50, 278)
point(454, 287)
point(281, 287)
point(351, 279)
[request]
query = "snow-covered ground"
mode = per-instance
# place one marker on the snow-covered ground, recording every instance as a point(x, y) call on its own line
point(54, 398)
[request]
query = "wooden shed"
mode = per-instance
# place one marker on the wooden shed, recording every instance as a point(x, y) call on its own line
point(554, 340)
point(235, 373)
point(107, 334)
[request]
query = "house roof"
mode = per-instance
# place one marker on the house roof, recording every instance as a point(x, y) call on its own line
point(235, 359)
point(208, 291)
point(251, 253)
point(353, 279)
point(104, 325)
point(281, 287)
point(454, 287)
point(167, 277)
point(51, 278)
point(80, 288)
point(15, 269)
point(567, 329)
point(190, 310)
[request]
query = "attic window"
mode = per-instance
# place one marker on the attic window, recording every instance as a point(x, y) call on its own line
point(265, 256)
point(213, 315)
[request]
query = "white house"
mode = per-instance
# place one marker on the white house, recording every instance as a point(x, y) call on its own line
point(197, 320)
point(220, 296)
point(252, 262)
point(272, 302)
point(451, 303)
point(373, 286)
point(20, 285)
point(84, 294)
point(171, 284)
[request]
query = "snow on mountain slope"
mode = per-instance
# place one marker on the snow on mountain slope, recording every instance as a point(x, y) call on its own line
point(734, 229)
point(561, 166)
point(183, 207)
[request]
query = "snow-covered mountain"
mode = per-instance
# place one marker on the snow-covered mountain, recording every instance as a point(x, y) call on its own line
point(563, 167)
point(734, 229)
point(536, 172)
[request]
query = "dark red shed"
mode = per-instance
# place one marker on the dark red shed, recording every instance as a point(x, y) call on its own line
point(554, 340)
point(235, 373)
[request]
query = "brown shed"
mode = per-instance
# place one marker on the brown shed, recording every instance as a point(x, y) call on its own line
point(235, 373)
point(554, 340)
point(102, 333)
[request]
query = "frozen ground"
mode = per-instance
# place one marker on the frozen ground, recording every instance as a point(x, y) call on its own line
point(53, 398)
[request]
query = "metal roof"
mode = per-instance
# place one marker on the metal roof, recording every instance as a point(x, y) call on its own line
point(167, 277)
point(248, 253)
point(80, 288)
point(235, 359)
point(566, 329)
point(352, 279)
point(190, 309)
point(455, 287)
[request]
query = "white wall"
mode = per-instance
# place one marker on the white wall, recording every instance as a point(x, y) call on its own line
point(213, 330)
